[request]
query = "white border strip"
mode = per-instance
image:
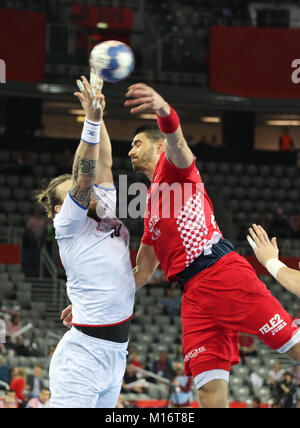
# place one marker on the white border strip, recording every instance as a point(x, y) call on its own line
point(210, 375)
point(290, 344)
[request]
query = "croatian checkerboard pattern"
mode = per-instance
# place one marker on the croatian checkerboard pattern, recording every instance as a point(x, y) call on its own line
point(192, 227)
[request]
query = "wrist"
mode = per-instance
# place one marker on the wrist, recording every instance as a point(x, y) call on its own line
point(273, 266)
point(170, 123)
point(164, 111)
point(91, 132)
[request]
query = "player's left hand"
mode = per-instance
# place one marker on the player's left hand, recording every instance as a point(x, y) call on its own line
point(91, 97)
point(67, 316)
point(146, 98)
point(264, 249)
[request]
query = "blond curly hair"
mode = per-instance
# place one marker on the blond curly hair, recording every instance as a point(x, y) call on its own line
point(48, 198)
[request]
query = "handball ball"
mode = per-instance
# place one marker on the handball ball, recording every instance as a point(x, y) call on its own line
point(112, 60)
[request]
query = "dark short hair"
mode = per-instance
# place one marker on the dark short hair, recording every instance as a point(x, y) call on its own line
point(151, 130)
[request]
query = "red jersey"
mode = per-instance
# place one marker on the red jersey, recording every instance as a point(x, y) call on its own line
point(179, 219)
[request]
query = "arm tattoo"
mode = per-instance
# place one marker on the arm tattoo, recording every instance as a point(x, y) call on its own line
point(87, 168)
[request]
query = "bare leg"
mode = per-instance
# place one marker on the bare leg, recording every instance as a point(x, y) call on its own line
point(214, 395)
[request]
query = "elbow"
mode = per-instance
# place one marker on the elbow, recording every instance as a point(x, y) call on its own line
point(85, 182)
point(296, 287)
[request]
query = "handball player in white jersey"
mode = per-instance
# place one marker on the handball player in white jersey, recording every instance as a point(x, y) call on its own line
point(88, 365)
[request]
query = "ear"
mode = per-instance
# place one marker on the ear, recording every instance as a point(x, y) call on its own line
point(161, 146)
point(57, 208)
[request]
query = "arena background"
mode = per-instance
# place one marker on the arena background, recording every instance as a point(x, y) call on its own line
point(230, 70)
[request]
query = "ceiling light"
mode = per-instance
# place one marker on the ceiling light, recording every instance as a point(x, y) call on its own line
point(211, 119)
point(102, 25)
point(283, 122)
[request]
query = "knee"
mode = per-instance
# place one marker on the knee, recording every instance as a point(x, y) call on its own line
point(214, 394)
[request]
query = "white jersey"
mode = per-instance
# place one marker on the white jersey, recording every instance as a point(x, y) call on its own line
point(100, 282)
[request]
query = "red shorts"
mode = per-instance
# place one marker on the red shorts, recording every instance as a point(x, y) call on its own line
point(223, 300)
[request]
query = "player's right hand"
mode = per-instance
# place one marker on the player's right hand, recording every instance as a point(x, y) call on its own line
point(143, 97)
point(67, 316)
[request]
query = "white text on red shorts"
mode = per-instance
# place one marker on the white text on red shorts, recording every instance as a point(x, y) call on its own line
point(194, 353)
point(274, 325)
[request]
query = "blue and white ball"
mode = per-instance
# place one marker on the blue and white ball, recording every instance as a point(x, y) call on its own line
point(112, 60)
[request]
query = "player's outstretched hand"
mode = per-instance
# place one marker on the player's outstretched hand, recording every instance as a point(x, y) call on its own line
point(263, 248)
point(67, 316)
point(91, 97)
point(146, 98)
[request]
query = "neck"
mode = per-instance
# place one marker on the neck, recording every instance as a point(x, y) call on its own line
point(150, 168)
point(149, 172)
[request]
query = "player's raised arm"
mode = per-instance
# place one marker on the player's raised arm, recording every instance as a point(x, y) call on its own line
point(146, 98)
point(267, 253)
point(86, 159)
point(104, 173)
point(146, 264)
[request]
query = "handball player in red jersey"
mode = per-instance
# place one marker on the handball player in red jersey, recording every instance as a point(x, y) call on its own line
point(222, 294)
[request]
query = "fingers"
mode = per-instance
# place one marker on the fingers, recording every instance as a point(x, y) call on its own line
point(138, 93)
point(138, 101)
point(259, 235)
point(68, 321)
point(141, 108)
point(96, 82)
point(254, 237)
point(66, 312)
point(264, 234)
point(88, 93)
point(136, 86)
point(274, 243)
point(251, 243)
point(99, 102)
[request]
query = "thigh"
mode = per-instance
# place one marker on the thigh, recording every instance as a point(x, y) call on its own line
point(109, 399)
point(206, 346)
point(112, 378)
point(244, 304)
point(70, 383)
point(269, 321)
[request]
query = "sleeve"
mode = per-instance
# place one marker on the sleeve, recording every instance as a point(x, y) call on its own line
point(19, 387)
point(189, 173)
point(107, 198)
point(71, 218)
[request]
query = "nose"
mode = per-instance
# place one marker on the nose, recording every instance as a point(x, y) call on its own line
point(131, 153)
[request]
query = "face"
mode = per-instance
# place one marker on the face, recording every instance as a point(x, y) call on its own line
point(288, 378)
point(63, 190)
point(14, 372)
point(45, 396)
point(10, 402)
point(179, 369)
point(16, 320)
point(162, 356)
point(130, 369)
point(277, 367)
point(144, 153)
point(37, 372)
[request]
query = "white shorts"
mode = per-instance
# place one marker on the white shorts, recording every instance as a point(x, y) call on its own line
point(86, 372)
